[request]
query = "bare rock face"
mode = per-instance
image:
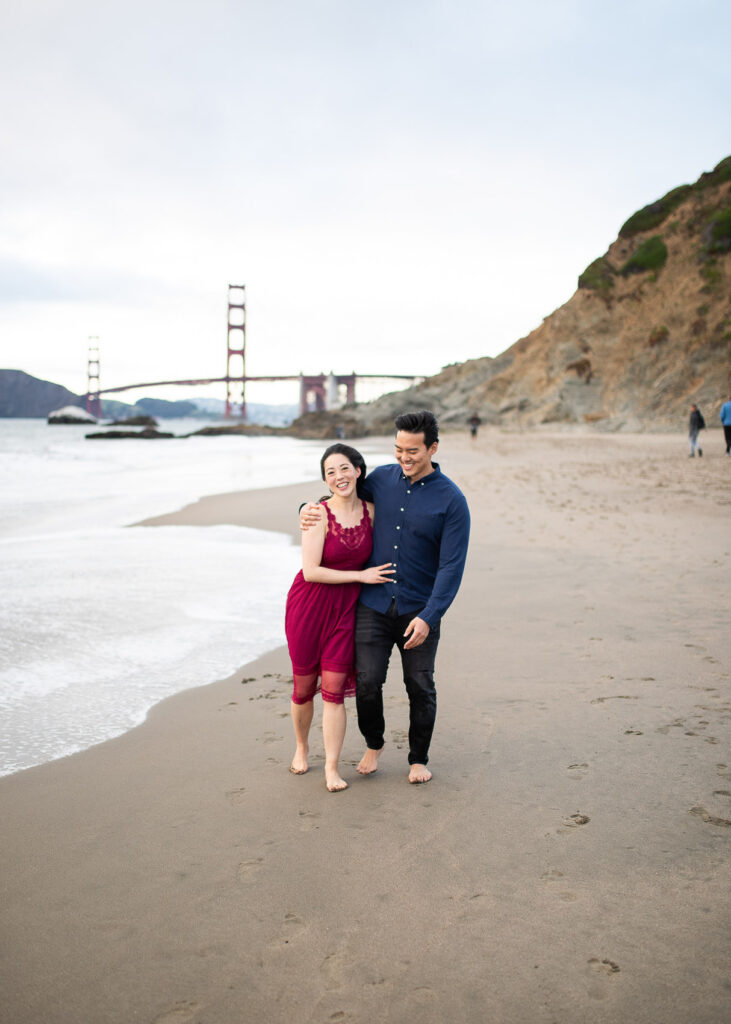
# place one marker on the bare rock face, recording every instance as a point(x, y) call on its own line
point(647, 332)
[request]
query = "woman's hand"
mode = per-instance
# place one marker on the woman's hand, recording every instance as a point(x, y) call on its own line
point(377, 574)
point(310, 515)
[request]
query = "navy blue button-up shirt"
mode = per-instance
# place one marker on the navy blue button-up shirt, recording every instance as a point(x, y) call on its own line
point(424, 529)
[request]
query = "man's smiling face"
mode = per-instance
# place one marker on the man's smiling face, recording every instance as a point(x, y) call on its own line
point(413, 455)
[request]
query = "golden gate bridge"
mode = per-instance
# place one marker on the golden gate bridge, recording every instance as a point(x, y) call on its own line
point(317, 392)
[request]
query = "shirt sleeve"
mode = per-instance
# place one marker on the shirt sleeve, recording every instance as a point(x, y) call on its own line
point(452, 557)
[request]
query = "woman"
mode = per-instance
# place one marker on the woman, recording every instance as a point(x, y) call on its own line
point(320, 616)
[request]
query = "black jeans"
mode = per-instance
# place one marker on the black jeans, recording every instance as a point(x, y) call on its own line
point(375, 635)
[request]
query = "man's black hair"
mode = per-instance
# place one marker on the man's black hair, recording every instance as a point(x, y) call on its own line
point(352, 455)
point(423, 422)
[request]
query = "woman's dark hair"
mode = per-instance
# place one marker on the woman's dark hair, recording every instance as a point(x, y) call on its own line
point(352, 455)
point(423, 422)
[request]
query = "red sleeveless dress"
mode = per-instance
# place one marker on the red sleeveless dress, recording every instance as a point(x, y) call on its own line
point(320, 617)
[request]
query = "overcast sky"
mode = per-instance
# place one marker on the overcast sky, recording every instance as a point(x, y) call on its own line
point(399, 184)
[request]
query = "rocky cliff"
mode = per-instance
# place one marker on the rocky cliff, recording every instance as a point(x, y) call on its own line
point(647, 332)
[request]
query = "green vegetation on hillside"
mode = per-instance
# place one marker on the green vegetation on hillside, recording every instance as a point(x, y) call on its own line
point(653, 215)
point(717, 236)
point(651, 255)
point(598, 276)
point(720, 173)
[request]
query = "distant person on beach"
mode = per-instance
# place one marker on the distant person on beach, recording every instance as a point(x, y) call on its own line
point(474, 421)
point(726, 421)
point(321, 604)
point(422, 523)
point(696, 423)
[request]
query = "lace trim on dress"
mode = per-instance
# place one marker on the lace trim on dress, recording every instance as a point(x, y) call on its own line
point(350, 536)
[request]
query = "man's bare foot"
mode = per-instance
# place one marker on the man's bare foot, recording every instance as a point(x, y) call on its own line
point(333, 781)
point(419, 773)
point(369, 762)
point(299, 762)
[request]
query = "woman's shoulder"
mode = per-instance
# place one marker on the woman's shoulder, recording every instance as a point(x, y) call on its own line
point(371, 509)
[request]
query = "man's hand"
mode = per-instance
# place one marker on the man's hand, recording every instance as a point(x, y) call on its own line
point(419, 631)
point(310, 515)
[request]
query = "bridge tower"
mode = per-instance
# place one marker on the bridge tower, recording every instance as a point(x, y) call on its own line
point(93, 398)
point(236, 352)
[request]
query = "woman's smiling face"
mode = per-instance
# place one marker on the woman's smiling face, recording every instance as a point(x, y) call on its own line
point(341, 476)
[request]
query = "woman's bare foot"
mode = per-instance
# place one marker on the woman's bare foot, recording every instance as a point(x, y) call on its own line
point(299, 762)
point(419, 773)
point(333, 781)
point(369, 762)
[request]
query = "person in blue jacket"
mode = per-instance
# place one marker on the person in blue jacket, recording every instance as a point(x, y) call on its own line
point(421, 526)
point(726, 421)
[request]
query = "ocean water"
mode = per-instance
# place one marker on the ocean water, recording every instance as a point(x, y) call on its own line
point(98, 621)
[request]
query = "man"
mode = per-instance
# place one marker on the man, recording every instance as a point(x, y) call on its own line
point(422, 527)
point(726, 421)
point(696, 423)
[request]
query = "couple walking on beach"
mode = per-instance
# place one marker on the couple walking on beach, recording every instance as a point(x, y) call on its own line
point(382, 560)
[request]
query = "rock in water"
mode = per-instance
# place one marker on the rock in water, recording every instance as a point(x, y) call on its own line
point(113, 435)
point(71, 414)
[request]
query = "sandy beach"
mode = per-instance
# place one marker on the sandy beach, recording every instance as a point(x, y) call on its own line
point(568, 863)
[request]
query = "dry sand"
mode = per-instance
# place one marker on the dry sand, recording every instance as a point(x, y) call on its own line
point(568, 863)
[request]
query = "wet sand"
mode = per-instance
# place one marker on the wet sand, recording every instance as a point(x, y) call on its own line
point(568, 863)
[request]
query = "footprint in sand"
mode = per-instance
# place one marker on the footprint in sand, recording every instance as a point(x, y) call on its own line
point(423, 994)
point(710, 819)
point(247, 868)
point(574, 821)
point(603, 966)
point(236, 796)
point(399, 737)
point(333, 969)
point(309, 820)
point(178, 1014)
point(665, 729)
point(292, 926)
point(599, 972)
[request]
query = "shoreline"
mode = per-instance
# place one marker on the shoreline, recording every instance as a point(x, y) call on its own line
point(566, 863)
point(270, 508)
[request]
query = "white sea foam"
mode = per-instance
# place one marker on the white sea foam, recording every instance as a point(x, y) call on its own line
point(100, 622)
point(100, 625)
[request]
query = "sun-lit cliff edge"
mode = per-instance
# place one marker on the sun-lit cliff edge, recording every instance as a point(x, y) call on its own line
point(647, 332)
